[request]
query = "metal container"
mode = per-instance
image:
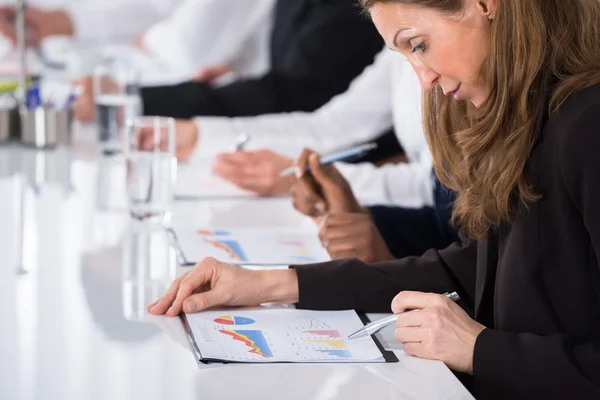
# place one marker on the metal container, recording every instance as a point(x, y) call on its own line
point(43, 128)
point(9, 123)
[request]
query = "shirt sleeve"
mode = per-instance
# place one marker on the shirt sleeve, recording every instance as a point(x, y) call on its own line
point(407, 185)
point(360, 114)
point(351, 284)
point(97, 21)
point(523, 363)
point(204, 33)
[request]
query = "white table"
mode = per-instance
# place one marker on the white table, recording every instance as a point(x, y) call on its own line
point(72, 306)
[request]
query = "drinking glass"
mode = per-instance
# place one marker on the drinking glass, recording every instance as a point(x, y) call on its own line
point(149, 266)
point(117, 99)
point(151, 166)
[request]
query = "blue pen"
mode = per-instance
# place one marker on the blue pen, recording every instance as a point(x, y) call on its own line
point(34, 99)
point(345, 155)
point(74, 94)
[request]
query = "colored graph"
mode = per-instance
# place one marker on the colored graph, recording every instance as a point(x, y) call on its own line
point(309, 323)
point(231, 247)
point(233, 320)
point(328, 334)
point(337, 353)
point(337, 344)
point(253, 339)
point(206, 232)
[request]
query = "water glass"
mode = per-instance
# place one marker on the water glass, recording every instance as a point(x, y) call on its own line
point(149, 266)
point(117, 99)
point(151, 166)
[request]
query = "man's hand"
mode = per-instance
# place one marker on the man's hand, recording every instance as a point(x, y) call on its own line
point(353, 235)
point(7, 23)
point(186, 139)
point(43, 24)
point(210, 74)
point(256, 171)
point(322, 189)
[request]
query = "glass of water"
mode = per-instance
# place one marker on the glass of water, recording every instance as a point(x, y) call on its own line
point(117, 99)
point(151, 166)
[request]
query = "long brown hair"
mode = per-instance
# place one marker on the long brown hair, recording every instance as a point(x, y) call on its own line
point(541, 52)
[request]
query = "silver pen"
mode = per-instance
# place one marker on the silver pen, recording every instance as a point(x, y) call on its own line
point(378, 325)
point(242, 141)
point(345, 155)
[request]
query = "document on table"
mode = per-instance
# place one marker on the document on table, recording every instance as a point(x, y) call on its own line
point(198, 181)
point(281, 335)
point(248, 246)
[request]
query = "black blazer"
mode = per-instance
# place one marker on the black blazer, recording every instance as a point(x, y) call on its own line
point(535, 284)
point(317, 48)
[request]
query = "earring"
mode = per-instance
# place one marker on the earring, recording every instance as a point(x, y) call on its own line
point(493, 16)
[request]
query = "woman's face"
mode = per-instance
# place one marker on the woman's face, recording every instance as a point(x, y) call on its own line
point(444, 50)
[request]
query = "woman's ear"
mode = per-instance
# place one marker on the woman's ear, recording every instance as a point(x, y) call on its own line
point(487, 8)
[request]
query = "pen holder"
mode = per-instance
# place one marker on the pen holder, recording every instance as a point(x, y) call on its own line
point(43, 128)
point(10, 124)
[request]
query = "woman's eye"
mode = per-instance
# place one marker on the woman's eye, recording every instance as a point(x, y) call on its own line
point(420, 47)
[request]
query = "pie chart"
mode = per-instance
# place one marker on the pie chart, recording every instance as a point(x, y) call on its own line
point(233, 320)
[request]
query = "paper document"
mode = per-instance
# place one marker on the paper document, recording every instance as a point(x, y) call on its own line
point(198, 181)
point(248, 246)
point(280, 335)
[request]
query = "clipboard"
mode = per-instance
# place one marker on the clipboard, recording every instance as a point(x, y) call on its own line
point(388, 356)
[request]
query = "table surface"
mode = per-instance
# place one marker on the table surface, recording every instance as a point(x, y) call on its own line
point(76, 274)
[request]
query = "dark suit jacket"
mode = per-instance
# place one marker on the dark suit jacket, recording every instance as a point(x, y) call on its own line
point(317, 48)
point(535, 284)
point(413, 231)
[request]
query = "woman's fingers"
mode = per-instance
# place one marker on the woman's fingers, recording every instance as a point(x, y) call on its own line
point(164, 303)
point(417, 300)
point(410, 335)
point(199, 276)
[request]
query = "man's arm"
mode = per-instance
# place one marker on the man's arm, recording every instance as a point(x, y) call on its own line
point(316, 52)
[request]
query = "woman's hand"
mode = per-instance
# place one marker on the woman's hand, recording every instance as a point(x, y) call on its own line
point(437, 329)
point(353, 235)
point(256, 171)
point(212, 283)
point(322, 189)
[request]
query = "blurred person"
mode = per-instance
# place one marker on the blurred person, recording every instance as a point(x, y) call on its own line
point(316, 49)
point(385, 96)
point(370, 234)
point(213, 38)
point(89, 21)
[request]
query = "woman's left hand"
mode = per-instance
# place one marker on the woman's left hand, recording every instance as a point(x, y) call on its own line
point(437, 329)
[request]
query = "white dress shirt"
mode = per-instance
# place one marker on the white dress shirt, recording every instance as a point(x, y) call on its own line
point(202, 33)
point(386, 94)
point(109, 21)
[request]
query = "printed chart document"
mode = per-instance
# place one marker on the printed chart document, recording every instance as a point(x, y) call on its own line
point(281, 335)
point(248, 246)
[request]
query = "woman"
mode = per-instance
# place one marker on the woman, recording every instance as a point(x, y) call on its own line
point(516, 136)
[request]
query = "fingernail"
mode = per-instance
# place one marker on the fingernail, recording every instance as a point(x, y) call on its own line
point(169, 310)
point(299, 173)
point(320, 207)
point(191, 306)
